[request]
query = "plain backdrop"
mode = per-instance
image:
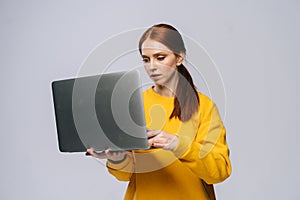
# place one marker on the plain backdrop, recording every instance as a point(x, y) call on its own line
point(254, 44)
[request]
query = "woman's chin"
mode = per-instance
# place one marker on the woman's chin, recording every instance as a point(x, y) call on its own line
point(159, 83)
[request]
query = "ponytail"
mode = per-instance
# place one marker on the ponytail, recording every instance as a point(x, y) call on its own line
point(186, 101)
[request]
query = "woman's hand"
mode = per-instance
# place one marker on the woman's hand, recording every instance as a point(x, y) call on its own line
point(161, 139)
point(114, 156)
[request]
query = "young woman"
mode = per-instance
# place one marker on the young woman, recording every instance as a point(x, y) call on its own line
point(189, 151)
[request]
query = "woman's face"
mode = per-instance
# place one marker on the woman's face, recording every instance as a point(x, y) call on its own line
point(160, 62)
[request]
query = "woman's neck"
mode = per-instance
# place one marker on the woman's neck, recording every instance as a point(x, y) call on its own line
point(164, 91)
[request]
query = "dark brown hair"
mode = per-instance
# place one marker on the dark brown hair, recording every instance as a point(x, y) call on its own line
point(186, 100)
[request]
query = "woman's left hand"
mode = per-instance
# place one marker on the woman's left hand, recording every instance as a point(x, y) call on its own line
point(161, 139)
point(114, 156)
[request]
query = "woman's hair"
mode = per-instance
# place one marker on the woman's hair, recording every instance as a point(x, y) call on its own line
point(186, 101)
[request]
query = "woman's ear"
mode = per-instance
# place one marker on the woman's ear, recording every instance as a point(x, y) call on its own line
point(180, 59)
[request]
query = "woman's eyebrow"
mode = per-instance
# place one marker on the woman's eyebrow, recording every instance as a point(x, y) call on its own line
point(160, 53)
point(155, 54)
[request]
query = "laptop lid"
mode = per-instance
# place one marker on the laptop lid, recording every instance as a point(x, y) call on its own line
point(101, 111)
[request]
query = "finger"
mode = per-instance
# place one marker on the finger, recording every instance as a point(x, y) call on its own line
point(153, 139)
point(150, 141)
point(100, 155)
point(160, 141)
point(163, 140)
point(123, 152)
point(158, 145)
point(153, 133)
point(90, 151)
point(154, 142)
point(107, 151)
point(117, 155)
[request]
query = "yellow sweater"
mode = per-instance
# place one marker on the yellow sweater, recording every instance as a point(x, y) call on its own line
point(202, 153)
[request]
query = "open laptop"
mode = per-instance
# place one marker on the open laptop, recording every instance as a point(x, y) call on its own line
point(102, 111)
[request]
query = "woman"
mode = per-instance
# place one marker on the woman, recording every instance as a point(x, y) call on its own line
point(184, 128)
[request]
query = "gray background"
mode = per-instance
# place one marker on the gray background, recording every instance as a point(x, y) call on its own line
point(255, 45)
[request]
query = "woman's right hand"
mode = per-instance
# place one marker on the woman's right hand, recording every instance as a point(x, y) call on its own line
point(114, 156)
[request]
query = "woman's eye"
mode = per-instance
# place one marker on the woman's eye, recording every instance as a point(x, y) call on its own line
point(145, 60)
point(160, 58)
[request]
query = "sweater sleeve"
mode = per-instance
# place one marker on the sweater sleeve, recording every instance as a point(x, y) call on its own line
point(122, 171)
point(208, 154)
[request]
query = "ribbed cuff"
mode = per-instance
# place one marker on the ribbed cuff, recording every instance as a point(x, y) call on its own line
point(118, 165)
point(184, 143)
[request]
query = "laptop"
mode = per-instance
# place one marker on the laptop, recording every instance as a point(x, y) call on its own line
point(103, 111)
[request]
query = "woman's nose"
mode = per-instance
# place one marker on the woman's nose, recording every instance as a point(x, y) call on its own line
point(152, 65)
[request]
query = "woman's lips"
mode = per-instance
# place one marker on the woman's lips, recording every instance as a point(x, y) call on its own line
point(155, 76)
